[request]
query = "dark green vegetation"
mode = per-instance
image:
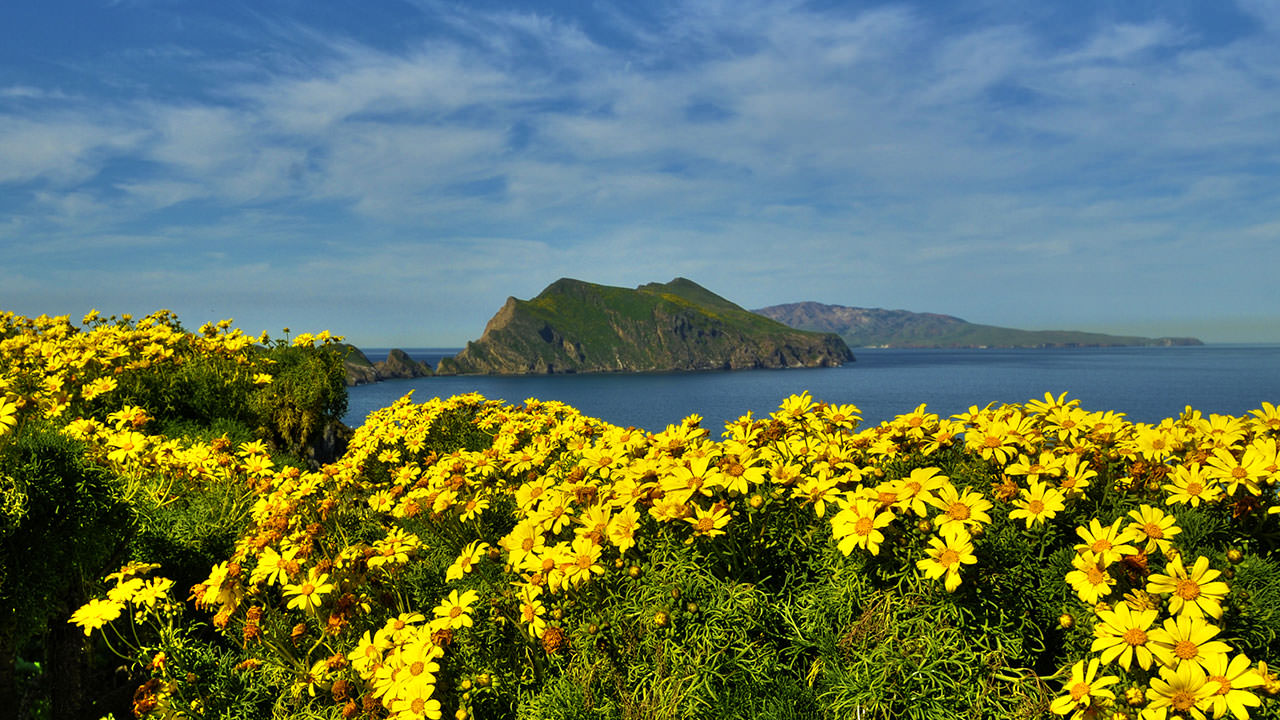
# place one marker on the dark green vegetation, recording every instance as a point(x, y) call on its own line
point(874, 327)
point(575, 326)
point(68, 516)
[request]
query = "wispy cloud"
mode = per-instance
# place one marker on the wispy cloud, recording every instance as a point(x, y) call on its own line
point(885, 156)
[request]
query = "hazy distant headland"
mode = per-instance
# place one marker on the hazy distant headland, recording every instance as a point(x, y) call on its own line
point(875, 327)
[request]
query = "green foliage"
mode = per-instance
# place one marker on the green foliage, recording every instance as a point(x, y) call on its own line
point(308, 391)
point(62, 521)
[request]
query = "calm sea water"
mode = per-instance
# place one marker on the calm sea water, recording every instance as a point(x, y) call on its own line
point(1147, 384)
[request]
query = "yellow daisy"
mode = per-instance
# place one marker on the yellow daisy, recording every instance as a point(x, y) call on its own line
point(1196, 593)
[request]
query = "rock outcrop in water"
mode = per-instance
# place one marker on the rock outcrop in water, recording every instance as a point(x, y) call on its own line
point(398, 365)
point(574, 326)
point(875, 327)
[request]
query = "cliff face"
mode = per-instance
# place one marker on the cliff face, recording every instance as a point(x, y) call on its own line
point(863, 327)
point(574, 326)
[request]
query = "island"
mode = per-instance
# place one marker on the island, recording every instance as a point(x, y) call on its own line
point(579, 327)
point(877, 327)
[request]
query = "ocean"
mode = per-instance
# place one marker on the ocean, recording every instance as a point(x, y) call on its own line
point(1147, 384)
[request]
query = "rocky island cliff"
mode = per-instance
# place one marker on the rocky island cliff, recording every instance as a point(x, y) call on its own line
point(876, 327)
point(398, 365)
point(574, 326)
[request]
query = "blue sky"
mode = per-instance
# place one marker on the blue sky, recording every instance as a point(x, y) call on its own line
point(392, 171)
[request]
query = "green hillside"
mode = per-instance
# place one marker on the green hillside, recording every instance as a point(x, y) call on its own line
point(576, 326)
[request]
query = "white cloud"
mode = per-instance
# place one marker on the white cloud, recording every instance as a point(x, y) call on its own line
point(802, 149)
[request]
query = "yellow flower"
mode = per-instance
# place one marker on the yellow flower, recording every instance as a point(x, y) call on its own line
point(524, 539)
point(262, 379)
point(532, 611)
point(709, 523)
point(858, 525)
point(1123, 633)
point(946, 555)
point(1153, 527)
point(1191, 485)
point(454, 611)
point(916, 491)
point(1234, 678)
point(273, 567)
point(1187, 640)
point(96, 613)
point(622, 528)
point(819, 489)
point(966, 509)
point(1085, 689)
point(1194, 593)
point(470, 555)
point(1184, 690)
point(1047, 464)
point(124, 591)
point(1090, 578)
point(582, 562)
point(1038, 504)
point(416, 706)
point(697, 476)
point(395, 549)
point(155, 590)
point(1076, 476)
point(1109, 543)
point(1224, 467)
point(97, 387)
point(308, 595)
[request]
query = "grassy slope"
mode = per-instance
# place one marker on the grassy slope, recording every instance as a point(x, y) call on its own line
point(575, 323)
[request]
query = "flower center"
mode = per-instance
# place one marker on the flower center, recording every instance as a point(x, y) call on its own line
point(736, 470)
point(1187, 589)
point(308, 588)
point(1096, 575)
point(1101, 545)
point(455, 611)
point(949, 557)
point(1153, 530)
point(1182, 700)
point(1194, 488)
point(1079, 690)
point(1239, 473)
point(1185, 650)
point(1035, 507)
point(526, 544)
point(958, 511)
point(1135, 636)
point(864, 526)
point(417, 668)
point(585, 561)
point(706, 524)
point(1225, 686)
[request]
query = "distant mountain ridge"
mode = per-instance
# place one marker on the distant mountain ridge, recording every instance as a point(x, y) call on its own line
point(575, 326)
point(876, 327)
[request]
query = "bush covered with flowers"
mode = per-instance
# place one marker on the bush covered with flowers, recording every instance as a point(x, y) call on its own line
point(473, 558)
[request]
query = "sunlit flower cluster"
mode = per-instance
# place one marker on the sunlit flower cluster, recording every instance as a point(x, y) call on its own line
point(542, 505)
